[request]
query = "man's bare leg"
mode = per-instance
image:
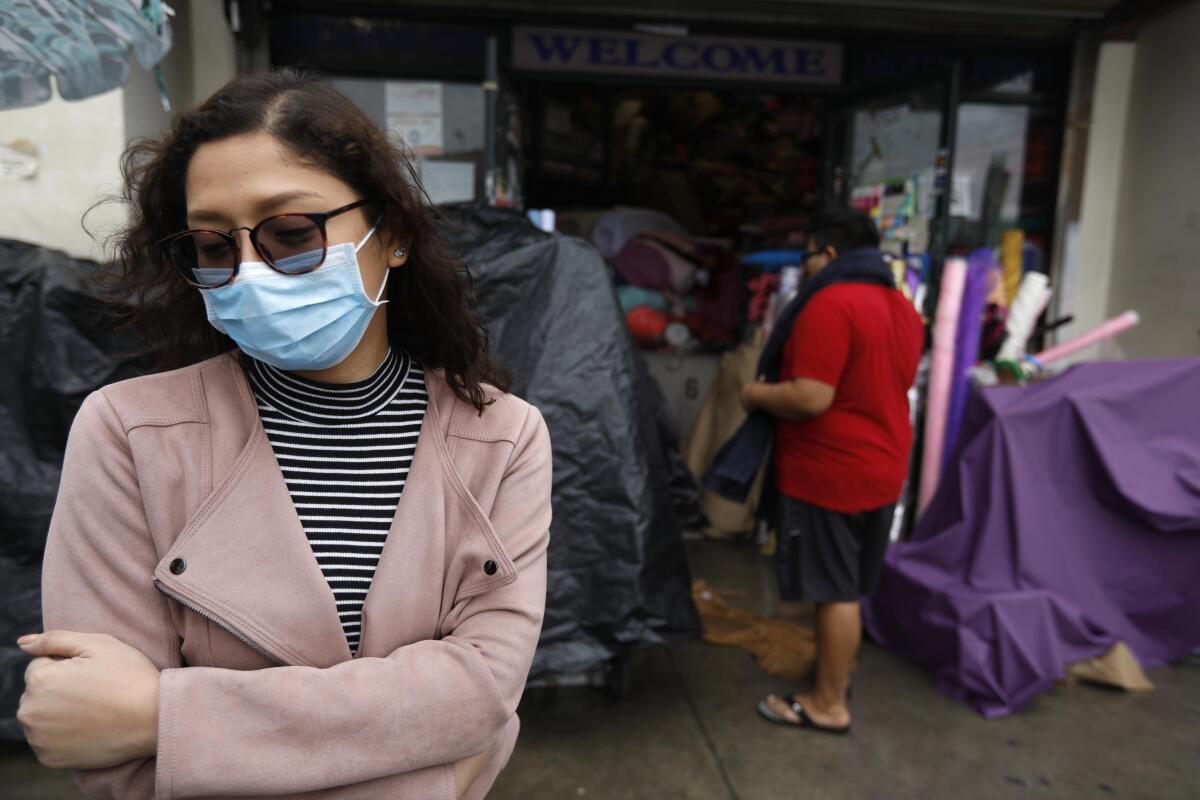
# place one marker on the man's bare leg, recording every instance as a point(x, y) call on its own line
point(839, 632)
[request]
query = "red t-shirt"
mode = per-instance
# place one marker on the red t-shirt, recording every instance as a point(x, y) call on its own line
point(865, 341)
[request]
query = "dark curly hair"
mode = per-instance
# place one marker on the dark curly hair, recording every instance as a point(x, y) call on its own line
point(428, 315)
point(844, 229)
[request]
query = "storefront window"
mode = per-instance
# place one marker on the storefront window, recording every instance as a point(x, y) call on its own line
point(440, 123)
point(1005, 173)
point(894, 147)
point(989, 161)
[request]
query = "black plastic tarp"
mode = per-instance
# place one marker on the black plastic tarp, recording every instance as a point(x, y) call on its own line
point(618, 577)
point(618, 574)
point(57, 344)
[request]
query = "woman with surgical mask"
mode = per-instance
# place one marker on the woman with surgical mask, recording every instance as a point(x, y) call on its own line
point(310, 557)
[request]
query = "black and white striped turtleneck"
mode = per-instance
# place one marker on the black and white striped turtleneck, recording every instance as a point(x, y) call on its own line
point(344, 450)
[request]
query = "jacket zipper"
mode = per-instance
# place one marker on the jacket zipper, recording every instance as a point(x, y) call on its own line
point(219, 623)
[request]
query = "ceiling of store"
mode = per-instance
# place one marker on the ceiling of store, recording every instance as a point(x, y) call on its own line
point(1075, 9)
point(985, 19)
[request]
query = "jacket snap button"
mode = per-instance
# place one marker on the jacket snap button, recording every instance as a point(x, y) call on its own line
point(178, 566)
point(490, 568)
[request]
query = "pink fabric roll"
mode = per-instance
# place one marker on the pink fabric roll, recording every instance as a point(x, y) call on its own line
point(1107, 330)
point(941, 373)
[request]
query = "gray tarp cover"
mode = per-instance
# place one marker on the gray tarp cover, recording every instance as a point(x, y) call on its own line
point(618, 577)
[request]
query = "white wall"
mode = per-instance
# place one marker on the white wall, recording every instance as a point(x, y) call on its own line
point(213, 53)
point(77, 147)
point(1156, 260)
point(80, 143)
point(1087, 275)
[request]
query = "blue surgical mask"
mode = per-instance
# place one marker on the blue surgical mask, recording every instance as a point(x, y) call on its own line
point(296, 322)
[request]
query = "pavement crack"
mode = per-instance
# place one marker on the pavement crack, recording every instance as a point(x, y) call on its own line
point(708, 741)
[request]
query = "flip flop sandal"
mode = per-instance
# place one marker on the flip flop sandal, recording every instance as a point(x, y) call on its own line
point(805, 721)
point(849, 696)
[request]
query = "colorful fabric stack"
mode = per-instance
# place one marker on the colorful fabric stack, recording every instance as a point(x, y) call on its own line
point(673, 290)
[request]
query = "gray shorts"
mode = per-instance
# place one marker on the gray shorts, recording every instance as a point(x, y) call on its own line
point(824, 556)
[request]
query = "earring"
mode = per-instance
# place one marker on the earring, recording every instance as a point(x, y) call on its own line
point(399, 252)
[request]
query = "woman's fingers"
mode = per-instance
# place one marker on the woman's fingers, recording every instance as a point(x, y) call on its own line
point(90, 700)
point(33, 667)
point(61, 644)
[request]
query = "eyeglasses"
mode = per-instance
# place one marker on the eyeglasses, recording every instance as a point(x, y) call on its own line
point(292, 244)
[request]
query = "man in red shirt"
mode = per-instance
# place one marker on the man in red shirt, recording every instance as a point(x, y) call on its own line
point(842, 440)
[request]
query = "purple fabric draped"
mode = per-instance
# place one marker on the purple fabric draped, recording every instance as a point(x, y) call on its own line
point(1070, 520)
point(982, 272)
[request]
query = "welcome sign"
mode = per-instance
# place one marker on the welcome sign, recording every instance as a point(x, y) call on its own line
point(687, 57)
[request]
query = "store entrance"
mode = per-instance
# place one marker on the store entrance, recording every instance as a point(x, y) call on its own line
point(733, 163)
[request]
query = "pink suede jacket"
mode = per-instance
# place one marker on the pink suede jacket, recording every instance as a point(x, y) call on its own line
point(174, 532)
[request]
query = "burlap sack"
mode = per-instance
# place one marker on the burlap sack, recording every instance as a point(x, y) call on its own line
point(781, 647)
point(720, 416)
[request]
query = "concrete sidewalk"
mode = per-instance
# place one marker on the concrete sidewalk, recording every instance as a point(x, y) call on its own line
point(688, 730)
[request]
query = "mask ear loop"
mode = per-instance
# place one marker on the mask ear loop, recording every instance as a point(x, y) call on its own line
point(358, 247)
point(382, 287)
point(370, 233)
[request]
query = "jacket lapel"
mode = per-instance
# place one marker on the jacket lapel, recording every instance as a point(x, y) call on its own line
point(243, 559)
point(439, 543)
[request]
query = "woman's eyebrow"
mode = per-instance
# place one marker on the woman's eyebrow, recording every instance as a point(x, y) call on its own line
point(276, 200)
point(264, 205)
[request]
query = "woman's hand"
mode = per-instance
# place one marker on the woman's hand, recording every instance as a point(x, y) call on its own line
point(90, 701)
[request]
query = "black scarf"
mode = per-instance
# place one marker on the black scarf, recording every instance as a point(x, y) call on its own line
point(739, 459)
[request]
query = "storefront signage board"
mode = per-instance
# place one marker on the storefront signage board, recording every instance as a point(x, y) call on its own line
point(691, 57)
